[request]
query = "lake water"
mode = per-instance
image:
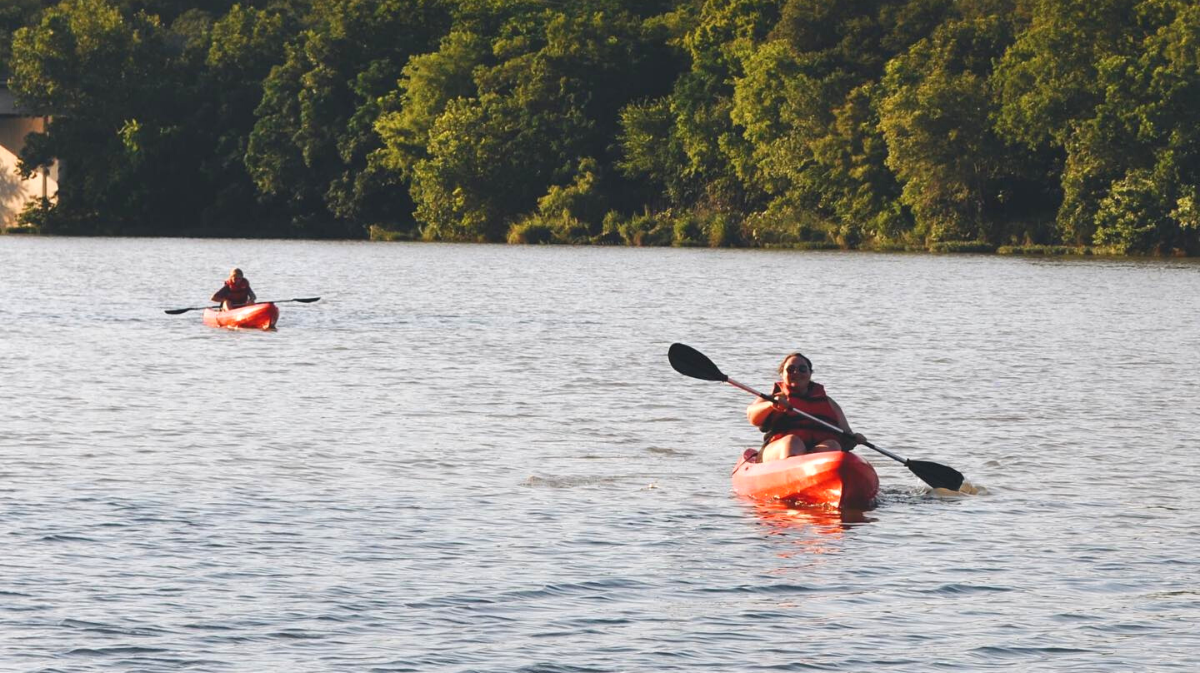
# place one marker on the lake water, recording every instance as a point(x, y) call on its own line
point(477, 458)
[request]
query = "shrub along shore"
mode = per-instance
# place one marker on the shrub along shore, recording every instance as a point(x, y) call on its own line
point(961, 247)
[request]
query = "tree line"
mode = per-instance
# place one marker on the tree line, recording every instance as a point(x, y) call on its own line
point(876, 124)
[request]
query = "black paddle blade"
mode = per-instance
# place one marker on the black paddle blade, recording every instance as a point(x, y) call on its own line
point(691, 362)
point(307, 300)
point(936, 475)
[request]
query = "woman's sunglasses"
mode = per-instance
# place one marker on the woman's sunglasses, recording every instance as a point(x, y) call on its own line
point(797, 369)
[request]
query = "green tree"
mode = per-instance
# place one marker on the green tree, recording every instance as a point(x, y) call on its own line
point(233, 57)
point(936, 118)
point(1111, 87)
point(1047, 79)
point(104, 78)
point(808, 104)
point(1048, 83)
point(849, 173)
point(684, 146)
point(652, 153)
point(1137, 160)
point(428, 83)
point(542, 101)
point(723, 38)
point(310, 148)
point(15, 14)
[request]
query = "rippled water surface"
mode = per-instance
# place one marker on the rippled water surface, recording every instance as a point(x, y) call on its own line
point(477, 458)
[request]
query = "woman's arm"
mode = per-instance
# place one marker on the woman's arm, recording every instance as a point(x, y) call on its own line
point(760, 410)
point(845, 424)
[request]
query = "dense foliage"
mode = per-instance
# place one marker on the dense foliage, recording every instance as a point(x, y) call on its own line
point(929, 124)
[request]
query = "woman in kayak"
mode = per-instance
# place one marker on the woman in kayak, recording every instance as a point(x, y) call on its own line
point(236, 292)
point(788, 434)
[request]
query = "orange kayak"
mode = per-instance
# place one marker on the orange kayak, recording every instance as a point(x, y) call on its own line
point(830, 478)
point(250, 316)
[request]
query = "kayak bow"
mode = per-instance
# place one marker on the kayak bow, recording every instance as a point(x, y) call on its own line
point(252, 316)
point(836, 479)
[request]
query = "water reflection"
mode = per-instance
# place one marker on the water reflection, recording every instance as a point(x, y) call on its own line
point(781, 518)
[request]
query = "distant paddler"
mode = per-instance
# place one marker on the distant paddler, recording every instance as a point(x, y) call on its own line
point(235, 292)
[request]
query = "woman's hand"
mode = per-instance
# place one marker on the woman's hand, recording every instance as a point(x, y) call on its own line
point(780, 403)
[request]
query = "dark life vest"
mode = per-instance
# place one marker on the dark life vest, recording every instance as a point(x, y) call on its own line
point(814, 403)
point(236, 293)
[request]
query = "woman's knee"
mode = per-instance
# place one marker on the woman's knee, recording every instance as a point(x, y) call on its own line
point(783, 447)
point(772, 451)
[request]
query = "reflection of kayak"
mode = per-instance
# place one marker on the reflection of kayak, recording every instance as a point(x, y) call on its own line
point(830, 478)
point(781, 516)
point(251, 316)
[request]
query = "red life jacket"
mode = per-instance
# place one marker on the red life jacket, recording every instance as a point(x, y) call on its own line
point(237, 293)
point(814, 403)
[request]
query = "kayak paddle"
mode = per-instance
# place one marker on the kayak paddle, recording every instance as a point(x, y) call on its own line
point(691, 362)
point(302, 300)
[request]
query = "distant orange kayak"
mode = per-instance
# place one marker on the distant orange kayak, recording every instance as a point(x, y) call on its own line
point(830, 478)
point(251, 316)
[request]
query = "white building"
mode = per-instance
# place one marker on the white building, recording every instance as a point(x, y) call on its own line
point(15, 192)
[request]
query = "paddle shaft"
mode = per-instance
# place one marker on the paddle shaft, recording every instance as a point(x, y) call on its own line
point(302, 300)
point(810, 417)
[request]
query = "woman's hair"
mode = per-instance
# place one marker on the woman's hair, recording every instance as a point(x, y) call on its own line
point(796, 354)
